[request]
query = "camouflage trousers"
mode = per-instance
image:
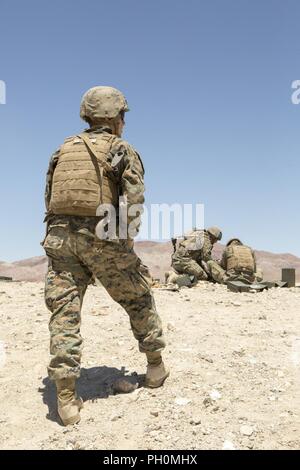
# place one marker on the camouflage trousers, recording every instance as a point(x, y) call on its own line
point(217, 273)
point(246, 277)
point(188, 266)
point(74, 259)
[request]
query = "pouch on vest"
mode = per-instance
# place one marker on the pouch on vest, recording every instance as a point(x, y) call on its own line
point(240, 259)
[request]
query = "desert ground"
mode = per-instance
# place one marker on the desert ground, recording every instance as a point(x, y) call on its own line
point(234, 383)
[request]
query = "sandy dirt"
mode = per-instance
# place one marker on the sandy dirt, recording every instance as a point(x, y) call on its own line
point(234, 384)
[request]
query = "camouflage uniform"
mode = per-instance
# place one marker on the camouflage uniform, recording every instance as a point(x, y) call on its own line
point(216, 272)
point(195, 248)
point(76, 255)
point(243, 275)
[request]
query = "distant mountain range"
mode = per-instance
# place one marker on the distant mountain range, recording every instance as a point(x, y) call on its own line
point(157, 257)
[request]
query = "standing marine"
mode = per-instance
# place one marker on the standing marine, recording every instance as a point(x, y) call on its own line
point(90, 170)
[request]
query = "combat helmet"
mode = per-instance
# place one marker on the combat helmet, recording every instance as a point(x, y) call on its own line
point(234, 240)
point(215, 232)
point(102, 102)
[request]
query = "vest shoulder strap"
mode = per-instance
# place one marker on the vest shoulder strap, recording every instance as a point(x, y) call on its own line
point(93, 150)
point(98, 162)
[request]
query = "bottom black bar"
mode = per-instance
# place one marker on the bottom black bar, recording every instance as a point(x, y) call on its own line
point(139, 458)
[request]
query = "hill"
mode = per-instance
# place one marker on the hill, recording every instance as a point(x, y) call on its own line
point(157, 256)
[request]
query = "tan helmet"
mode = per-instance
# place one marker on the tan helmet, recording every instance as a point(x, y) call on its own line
point(234, 240)
point(102, 102)
point(215, 232)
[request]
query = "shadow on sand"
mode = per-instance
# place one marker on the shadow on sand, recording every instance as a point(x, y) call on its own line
point(94, 383)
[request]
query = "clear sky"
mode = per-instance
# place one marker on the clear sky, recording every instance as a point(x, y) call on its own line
point(209, 87)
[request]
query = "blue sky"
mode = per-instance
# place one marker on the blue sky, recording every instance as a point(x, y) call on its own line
point(209, 87)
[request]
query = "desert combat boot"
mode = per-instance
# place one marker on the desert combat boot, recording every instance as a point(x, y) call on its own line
point(157, 372)
point(68, 404)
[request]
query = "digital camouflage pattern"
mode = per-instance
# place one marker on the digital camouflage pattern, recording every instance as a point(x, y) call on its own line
point(76, 256)
point(217, 273)
point(195, 248)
